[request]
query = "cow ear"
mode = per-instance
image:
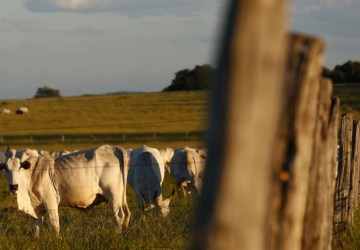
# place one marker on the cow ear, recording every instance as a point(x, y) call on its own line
point(25, 165)
point(2, 166)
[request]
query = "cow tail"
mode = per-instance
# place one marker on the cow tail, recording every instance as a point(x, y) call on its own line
point(122, 156)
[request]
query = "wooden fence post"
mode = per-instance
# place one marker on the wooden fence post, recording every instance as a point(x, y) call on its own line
point(331, 169)
point(247, 94)
point(316, 230)
point(344, 174)
point(354, 178)
point(296, 143)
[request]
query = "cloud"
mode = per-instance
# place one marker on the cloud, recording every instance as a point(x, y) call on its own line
point(336, 21)
point(133, 8)
point(11, 25)
point(307, 6)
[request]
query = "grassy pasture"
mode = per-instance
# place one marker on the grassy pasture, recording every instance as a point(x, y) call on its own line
point(129, 120)
point(113, 119)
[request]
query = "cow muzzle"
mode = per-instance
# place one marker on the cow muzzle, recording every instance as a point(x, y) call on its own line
point(14, 187)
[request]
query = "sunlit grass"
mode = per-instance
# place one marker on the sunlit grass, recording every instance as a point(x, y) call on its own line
point(123, 113)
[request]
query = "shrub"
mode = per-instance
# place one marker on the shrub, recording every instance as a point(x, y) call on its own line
point(47, 92)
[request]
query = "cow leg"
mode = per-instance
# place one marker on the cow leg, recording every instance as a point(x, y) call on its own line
point(127, 213)
point(116, 206)
point(54, 219)
point(38, 222)
point(118, 214)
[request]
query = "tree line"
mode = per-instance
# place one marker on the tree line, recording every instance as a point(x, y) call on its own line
point(201, 77)
point(198, 78)
point(348, 72)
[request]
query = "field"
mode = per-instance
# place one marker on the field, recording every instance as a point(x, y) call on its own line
point(126, 119)
point(129, 120)
point(349, 98)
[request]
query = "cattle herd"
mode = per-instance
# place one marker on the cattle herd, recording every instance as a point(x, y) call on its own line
point(43, 181)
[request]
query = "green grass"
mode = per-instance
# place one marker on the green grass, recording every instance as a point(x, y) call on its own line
point(128, 120)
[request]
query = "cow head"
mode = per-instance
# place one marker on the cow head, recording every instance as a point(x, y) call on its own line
point(164, 204)
point(187, 188)
point(184, 188)
point(16, 172)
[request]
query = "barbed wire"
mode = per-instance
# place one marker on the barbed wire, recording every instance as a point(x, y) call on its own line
point(107, 207)
point(133, 125)
point(103, 166)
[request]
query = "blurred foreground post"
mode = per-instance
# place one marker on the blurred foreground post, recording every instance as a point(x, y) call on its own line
point(247, 104)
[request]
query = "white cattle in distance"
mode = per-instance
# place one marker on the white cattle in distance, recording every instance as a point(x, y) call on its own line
point(81, 180)
point(146, 175)
point(167, 154)
point(6, 111)
point(22, 110)
point(187, 167)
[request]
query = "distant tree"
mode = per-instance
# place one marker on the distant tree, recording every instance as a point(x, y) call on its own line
point(47, 92)
point(199, 78)
point(348, 72)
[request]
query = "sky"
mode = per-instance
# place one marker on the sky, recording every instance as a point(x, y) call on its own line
point(104, 46)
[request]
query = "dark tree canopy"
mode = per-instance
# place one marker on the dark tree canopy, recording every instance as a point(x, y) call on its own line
point(348, 72)
point(199, 78)
point(47, 92)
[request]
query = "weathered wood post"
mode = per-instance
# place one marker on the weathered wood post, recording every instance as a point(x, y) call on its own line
point(294, 154)
point(247, 103)
point(344, 174)
point(354, 172)
point(331, 160)
point(317, 229)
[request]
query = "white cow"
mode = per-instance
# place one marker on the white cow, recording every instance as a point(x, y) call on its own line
point(6, 111)
point(167, 154)
point(187, 167)
point(146, 175)
point(22, 110)
point(82, 180)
